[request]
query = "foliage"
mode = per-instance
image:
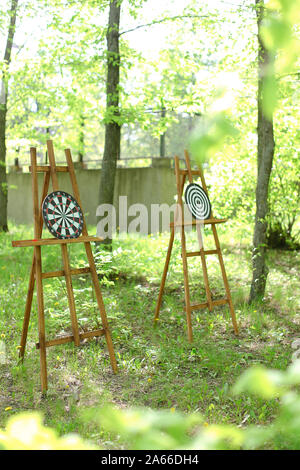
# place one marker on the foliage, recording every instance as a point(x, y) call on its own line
point(235, 176)
point(148, 429)
point(209, 137)
point(284, 194)
point(26, 431)
point(281, 38)
point(190, 75)
point(144, 429)
point(62, 82)
point(149, 359)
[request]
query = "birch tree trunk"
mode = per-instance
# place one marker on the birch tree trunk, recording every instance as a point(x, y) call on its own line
point(112, 127)
point(3, 113)
point(265, 153)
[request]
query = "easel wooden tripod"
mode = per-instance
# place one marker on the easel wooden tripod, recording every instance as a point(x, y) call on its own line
point(37, 276)
point(179, 222)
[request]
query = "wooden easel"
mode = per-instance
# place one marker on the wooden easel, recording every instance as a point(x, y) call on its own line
point(179, 222)
point(37, 276)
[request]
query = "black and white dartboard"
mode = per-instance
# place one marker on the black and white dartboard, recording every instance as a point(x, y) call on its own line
point(62, 215)
point(197, 201)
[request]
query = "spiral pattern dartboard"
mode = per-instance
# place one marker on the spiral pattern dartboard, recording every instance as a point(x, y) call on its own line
point(197, 201)
point(62, 215)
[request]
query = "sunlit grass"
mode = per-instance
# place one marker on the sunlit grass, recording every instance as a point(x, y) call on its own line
point(158, 368)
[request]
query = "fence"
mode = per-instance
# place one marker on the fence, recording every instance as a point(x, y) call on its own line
point(127, 162)
point(150, 185)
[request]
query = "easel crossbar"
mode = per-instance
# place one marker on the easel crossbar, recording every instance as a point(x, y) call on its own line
point(205, 304)
point(62, 273)
point(189, 254)
point(197, 222)
point(54, 241)
point(69, 339)
point(187, 172)
point(47, 169)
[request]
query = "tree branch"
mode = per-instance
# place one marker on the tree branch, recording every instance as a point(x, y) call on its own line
point(162, 20)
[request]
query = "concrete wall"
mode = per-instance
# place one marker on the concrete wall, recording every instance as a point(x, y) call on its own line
point(152, 185)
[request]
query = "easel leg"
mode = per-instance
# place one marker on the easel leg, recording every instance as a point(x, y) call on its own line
point(204, 268)
point(186, 287)
point(227, 289)
point(101, 306)
point(93, 270)
point(70, 293)
point(27, 311)
point(41, 317)
point(164, 276)
point(32, 278)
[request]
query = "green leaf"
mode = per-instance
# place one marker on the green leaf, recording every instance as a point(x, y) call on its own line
point(269, 95)
point(210, 136)
point(259, 381)
point(276, 33)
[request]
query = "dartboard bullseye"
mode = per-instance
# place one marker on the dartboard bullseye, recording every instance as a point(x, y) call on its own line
point(62, 215)
point(197, 201)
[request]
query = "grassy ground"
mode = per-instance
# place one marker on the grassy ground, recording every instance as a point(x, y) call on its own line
point(158, 368)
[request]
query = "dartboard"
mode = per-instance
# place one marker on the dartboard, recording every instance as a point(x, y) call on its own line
point(62, 215)
point(197, 201)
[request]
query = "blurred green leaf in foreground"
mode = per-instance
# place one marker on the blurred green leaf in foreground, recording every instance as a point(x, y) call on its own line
point(145, 429)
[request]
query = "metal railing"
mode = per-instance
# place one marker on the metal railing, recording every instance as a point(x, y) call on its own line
point(96, 164)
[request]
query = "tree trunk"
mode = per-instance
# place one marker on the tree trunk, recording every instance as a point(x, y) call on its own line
point(81, 139)
point(3, 112)
point(265, 153)
point(162, 140)
point(112, 126)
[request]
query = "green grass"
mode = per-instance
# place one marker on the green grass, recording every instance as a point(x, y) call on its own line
point(158, 368)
